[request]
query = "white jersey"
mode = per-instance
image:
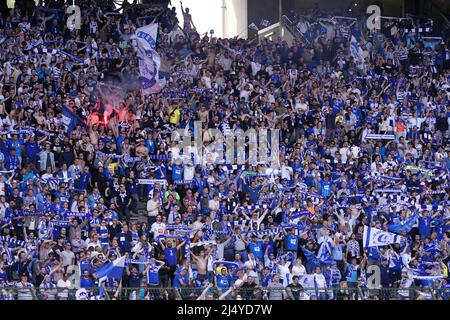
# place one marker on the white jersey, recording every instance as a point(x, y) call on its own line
point(285, 274)
point(93, 26)
point(188, 172)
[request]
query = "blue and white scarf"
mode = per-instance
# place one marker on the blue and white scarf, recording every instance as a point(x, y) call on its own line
point(12, 241)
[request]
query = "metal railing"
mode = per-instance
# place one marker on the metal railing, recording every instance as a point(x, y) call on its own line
point(189, 293)
point(293, 29)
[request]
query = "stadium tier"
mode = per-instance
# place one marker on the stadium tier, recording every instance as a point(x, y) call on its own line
point(143, 160)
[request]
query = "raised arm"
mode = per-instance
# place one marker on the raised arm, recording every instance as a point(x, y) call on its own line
point(181, 244)
point(196, 258)
point(226, 293)
point(260, 219)
point(245, 215)
point(203, 294)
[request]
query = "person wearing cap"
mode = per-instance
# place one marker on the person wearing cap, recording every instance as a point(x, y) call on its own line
point(223, 280)
point(333, 278)
point(25, 290)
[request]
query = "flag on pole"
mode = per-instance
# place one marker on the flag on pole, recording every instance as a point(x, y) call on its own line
point(394, 30)
point(429, 42)
point(112, 269)
point(265, 23)
point(310, 256)
point(253, 26)
point(70, 119)
point(149, 59)
point(375, 237)
point(407, 225)
point(306, 281)
point(321, 259)
point(356, 50)
point(324, 253)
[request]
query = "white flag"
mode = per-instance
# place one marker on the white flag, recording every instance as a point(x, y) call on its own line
point(375, 237)
point(253, 26)
point(149, 60)
point(394, 30)
point(356, 50)
point(265, 23)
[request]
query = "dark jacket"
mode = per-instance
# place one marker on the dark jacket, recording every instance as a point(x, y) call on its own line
point(441, 124)
point(386, 276)
point(330, 121)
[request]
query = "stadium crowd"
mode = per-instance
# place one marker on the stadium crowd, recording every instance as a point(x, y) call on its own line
point(364, 141)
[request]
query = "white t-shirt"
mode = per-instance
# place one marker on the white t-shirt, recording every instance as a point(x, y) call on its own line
point(255, 68)
point(188, 172)
point(320, 281)
point(90, 243)
point(158, 229)
point(152, 208)
point(301, 106)
point(238, 282)
point(286, 172)
point(439, 156)
point(343, 151)
point(2, 188)
point(47, 175)
point(355, 150)
point(284, 273)
point(63, 285)
point(214, 205)
point(298, 270)
point(67, 257)
point(206, 81)
point(253, 273)
point(244, 94)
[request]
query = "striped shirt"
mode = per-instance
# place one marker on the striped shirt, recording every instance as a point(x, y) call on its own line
point(226, 128)
point(56, 72)
point(402, 54)
point(345, 31)
point(93, 26)
point(24, 291)
point(401, 95)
